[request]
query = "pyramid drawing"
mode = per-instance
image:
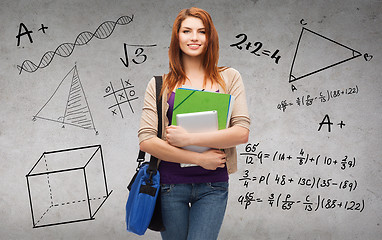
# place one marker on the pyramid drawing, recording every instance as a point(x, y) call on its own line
point(68, 104)
point(316, 53)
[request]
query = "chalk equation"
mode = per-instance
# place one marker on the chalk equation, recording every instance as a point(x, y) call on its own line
point(139, 55)
point(256, 48)
point(252, 155)
point(285, 202)
point(308, 182)
point(322, 97)
point(125, 94)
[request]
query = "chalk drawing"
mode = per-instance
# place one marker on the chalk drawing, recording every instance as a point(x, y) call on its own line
point(67, 186)
point(315, 53)
point(66, 49)
point(123, 95)
point(68, 104)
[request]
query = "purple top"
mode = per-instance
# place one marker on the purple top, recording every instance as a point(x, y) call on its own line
point(173, 173)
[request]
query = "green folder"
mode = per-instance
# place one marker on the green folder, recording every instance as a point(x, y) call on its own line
point(190, 100)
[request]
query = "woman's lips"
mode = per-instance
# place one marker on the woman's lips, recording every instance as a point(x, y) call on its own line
point(194, 46)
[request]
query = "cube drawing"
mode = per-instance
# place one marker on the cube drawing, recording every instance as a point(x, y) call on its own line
point(67, 186)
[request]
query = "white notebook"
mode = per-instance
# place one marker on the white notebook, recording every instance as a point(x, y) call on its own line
point(197, 122)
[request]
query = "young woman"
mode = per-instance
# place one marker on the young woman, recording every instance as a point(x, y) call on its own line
point(194, 199)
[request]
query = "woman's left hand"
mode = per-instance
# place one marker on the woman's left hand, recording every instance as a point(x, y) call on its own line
point(177, 136)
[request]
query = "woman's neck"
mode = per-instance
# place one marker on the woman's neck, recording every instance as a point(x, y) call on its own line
point(192, 64)
point(194, 70)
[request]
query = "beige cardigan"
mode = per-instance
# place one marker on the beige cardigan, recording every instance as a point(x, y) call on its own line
point(240, 117)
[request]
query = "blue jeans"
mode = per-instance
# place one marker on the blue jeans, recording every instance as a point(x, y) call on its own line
point(193, 211)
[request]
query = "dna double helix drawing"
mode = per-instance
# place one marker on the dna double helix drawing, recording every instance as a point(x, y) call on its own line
point(66, 49)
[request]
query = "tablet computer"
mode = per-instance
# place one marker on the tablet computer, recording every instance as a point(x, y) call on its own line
point(197, 122)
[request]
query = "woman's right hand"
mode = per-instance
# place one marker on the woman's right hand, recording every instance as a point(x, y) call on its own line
point(212, 159)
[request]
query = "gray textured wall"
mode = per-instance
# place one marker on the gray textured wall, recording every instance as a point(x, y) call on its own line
point(296, 179)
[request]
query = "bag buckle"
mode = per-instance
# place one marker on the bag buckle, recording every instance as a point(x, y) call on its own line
point(140, 159)
point(149, 181)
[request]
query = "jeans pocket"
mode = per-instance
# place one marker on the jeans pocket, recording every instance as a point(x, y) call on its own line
point(223, 186)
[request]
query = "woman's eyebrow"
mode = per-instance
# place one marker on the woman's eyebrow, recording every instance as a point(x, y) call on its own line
point(192, 28)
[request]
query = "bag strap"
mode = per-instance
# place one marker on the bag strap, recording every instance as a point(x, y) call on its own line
point(152, 168)
point(158, 86)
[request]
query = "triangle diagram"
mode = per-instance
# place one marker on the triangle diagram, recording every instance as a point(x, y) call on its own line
point(315, 53)
point(68, 103)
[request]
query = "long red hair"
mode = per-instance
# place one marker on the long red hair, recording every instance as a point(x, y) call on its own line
point(176, 75)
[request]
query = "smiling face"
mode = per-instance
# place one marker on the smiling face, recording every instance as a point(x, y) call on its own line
point(192, 37)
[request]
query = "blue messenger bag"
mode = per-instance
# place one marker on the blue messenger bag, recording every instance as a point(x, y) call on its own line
point(143, 207)
point(142, 200)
